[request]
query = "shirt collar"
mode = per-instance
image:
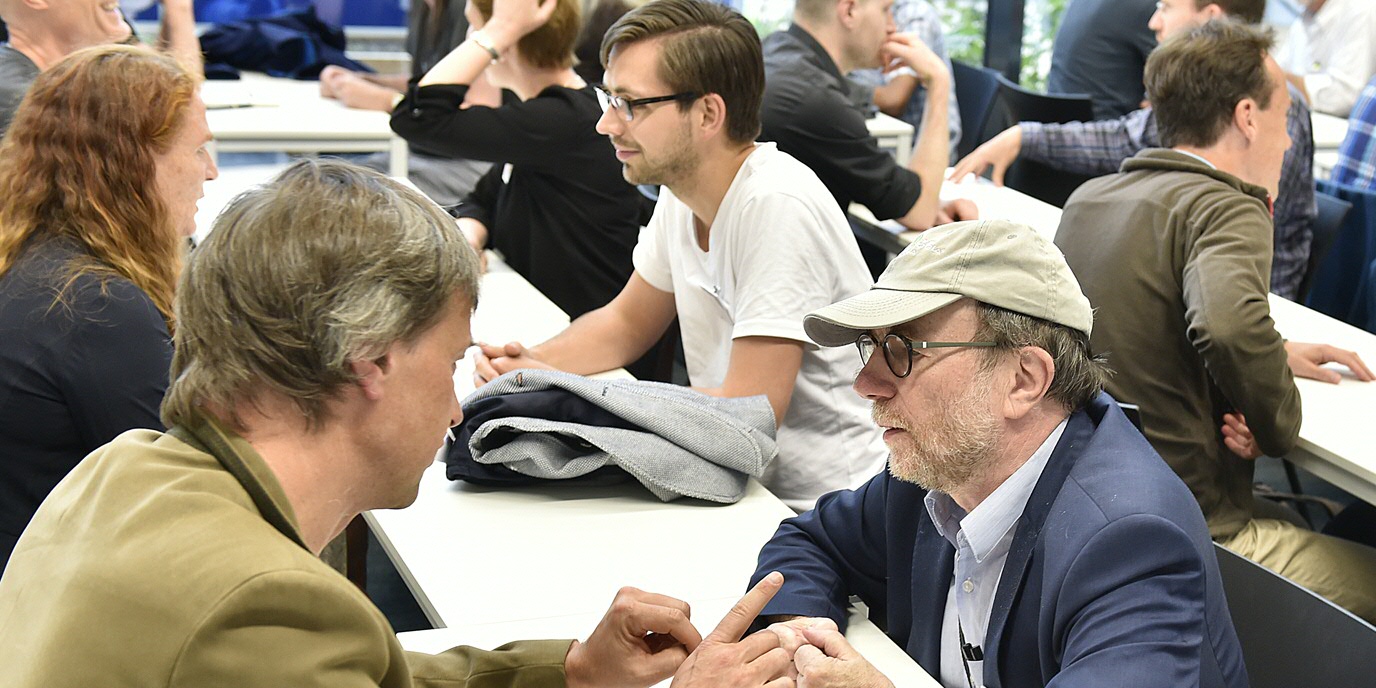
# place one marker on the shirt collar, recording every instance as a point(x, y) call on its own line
point(986, 529)
point(1196, 156)
point(811, 43)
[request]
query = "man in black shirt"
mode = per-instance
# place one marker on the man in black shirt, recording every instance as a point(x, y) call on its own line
point(1101, 49)
point(809, 110)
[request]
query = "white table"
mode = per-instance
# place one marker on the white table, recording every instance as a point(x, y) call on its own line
point(1335, 437)
point(492, 565)
point(894, 135)
point(1334, 442)
point(261, 113)
point(1329, 131)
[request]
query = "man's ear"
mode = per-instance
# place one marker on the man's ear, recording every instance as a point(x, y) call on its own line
point(1245, 118)
point(845, 12)
point(371, 375)
point(1033, 371)
point(712, 114)
point(1212, 11)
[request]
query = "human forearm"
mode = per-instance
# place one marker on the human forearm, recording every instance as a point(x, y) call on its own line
point(893, 97)
point(930, 155)
point(613, 335)
point(177, 34)
point(393, 82)
point(598, 340)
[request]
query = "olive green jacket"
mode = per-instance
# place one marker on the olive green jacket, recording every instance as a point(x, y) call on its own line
point(1175, 257)
point(174, 560)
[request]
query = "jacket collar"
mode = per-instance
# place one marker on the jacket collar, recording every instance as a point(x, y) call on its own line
point(823, 59)
point(1079, 430)
point(243, 462)
point(1165, 159)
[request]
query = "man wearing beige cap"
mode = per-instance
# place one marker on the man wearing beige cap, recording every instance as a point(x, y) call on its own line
point(1024, 531)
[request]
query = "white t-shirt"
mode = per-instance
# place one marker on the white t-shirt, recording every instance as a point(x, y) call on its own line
point(1334, 50)
point(778, 249)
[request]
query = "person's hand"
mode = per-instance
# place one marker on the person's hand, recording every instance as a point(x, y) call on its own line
point(490, 361)
point(998, 152)
point(907, 50)
point(723, 660)
point(641, 640)
point(1238, 437)
point(791, 635)
point(356, 92)
point(329, 76)
point(956, 211)
point(513, 19)
point(1306, 360)
point(828, 660)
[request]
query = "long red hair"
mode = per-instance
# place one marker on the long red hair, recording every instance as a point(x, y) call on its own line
point(78, 162)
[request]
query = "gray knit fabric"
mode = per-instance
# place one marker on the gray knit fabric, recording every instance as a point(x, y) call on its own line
point(690, 445)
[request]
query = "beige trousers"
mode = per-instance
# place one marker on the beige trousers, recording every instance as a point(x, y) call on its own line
point(1342, 571)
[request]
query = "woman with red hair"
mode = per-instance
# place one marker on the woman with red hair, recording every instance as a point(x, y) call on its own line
point(100, 173)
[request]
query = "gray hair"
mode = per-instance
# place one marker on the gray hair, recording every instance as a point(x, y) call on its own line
point(1080, 375)
point(327, 264)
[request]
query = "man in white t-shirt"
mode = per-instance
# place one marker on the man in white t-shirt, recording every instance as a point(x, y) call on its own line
point(1330, 52)
point(745, 241)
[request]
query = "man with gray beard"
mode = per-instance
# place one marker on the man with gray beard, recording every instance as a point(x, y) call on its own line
point(1025, 532)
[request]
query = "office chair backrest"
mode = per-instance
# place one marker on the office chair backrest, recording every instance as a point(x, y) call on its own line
point(1018, 104)
point(1332, 211)
point(977, 90)
point(1338, 285)
point(1290, 636)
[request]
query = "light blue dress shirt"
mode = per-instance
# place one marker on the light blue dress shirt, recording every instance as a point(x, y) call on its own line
point(981, 538)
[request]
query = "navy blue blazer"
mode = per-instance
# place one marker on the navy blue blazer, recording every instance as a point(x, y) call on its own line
point(1111, 578)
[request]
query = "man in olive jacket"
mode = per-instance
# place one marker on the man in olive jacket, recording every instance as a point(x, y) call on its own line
point(1174, 252)
point(317, 332)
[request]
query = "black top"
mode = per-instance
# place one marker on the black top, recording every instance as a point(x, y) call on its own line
point(74, 375)
point(558, 210)
point(1101, 49)
point(17, 73)
point(809, 110)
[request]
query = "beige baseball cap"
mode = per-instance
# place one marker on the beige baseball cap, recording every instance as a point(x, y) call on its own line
point(997, 262)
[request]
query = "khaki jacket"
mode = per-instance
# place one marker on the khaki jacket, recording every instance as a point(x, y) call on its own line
point(1175, 257)
point(174, 560)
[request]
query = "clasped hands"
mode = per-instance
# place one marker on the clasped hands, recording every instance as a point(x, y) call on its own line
point(645, 638)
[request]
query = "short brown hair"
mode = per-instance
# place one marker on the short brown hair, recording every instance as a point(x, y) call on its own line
point(1197, 77)
point(1079, 376)
point(551, 45)
point(1245, 11)
point(706, 48)
point(78, 162)
point(327, 264)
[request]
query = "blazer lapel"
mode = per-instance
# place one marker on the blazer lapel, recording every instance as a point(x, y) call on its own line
point(933, 565)
point(1077, 434)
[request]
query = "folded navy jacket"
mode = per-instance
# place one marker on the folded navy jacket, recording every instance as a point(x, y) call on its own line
point(534, 425)
point(295, 45)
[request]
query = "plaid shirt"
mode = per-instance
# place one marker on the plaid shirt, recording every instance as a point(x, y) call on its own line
point(1098, 148)
point(1357, 156)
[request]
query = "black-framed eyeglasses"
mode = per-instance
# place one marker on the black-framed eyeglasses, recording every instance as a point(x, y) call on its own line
point(899, 350)
point(626, 106)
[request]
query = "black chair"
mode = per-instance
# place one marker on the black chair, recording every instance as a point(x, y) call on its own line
point(1018, 104)
point(1290, 636)
point(1332, 211)
point(977, 90)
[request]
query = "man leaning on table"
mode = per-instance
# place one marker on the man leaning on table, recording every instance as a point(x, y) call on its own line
point(317, 333)
point(1173, 253)
point(743, 243)
point(1098, 148)
point(809, 109)
point(42, 32)
point(1025, 534)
